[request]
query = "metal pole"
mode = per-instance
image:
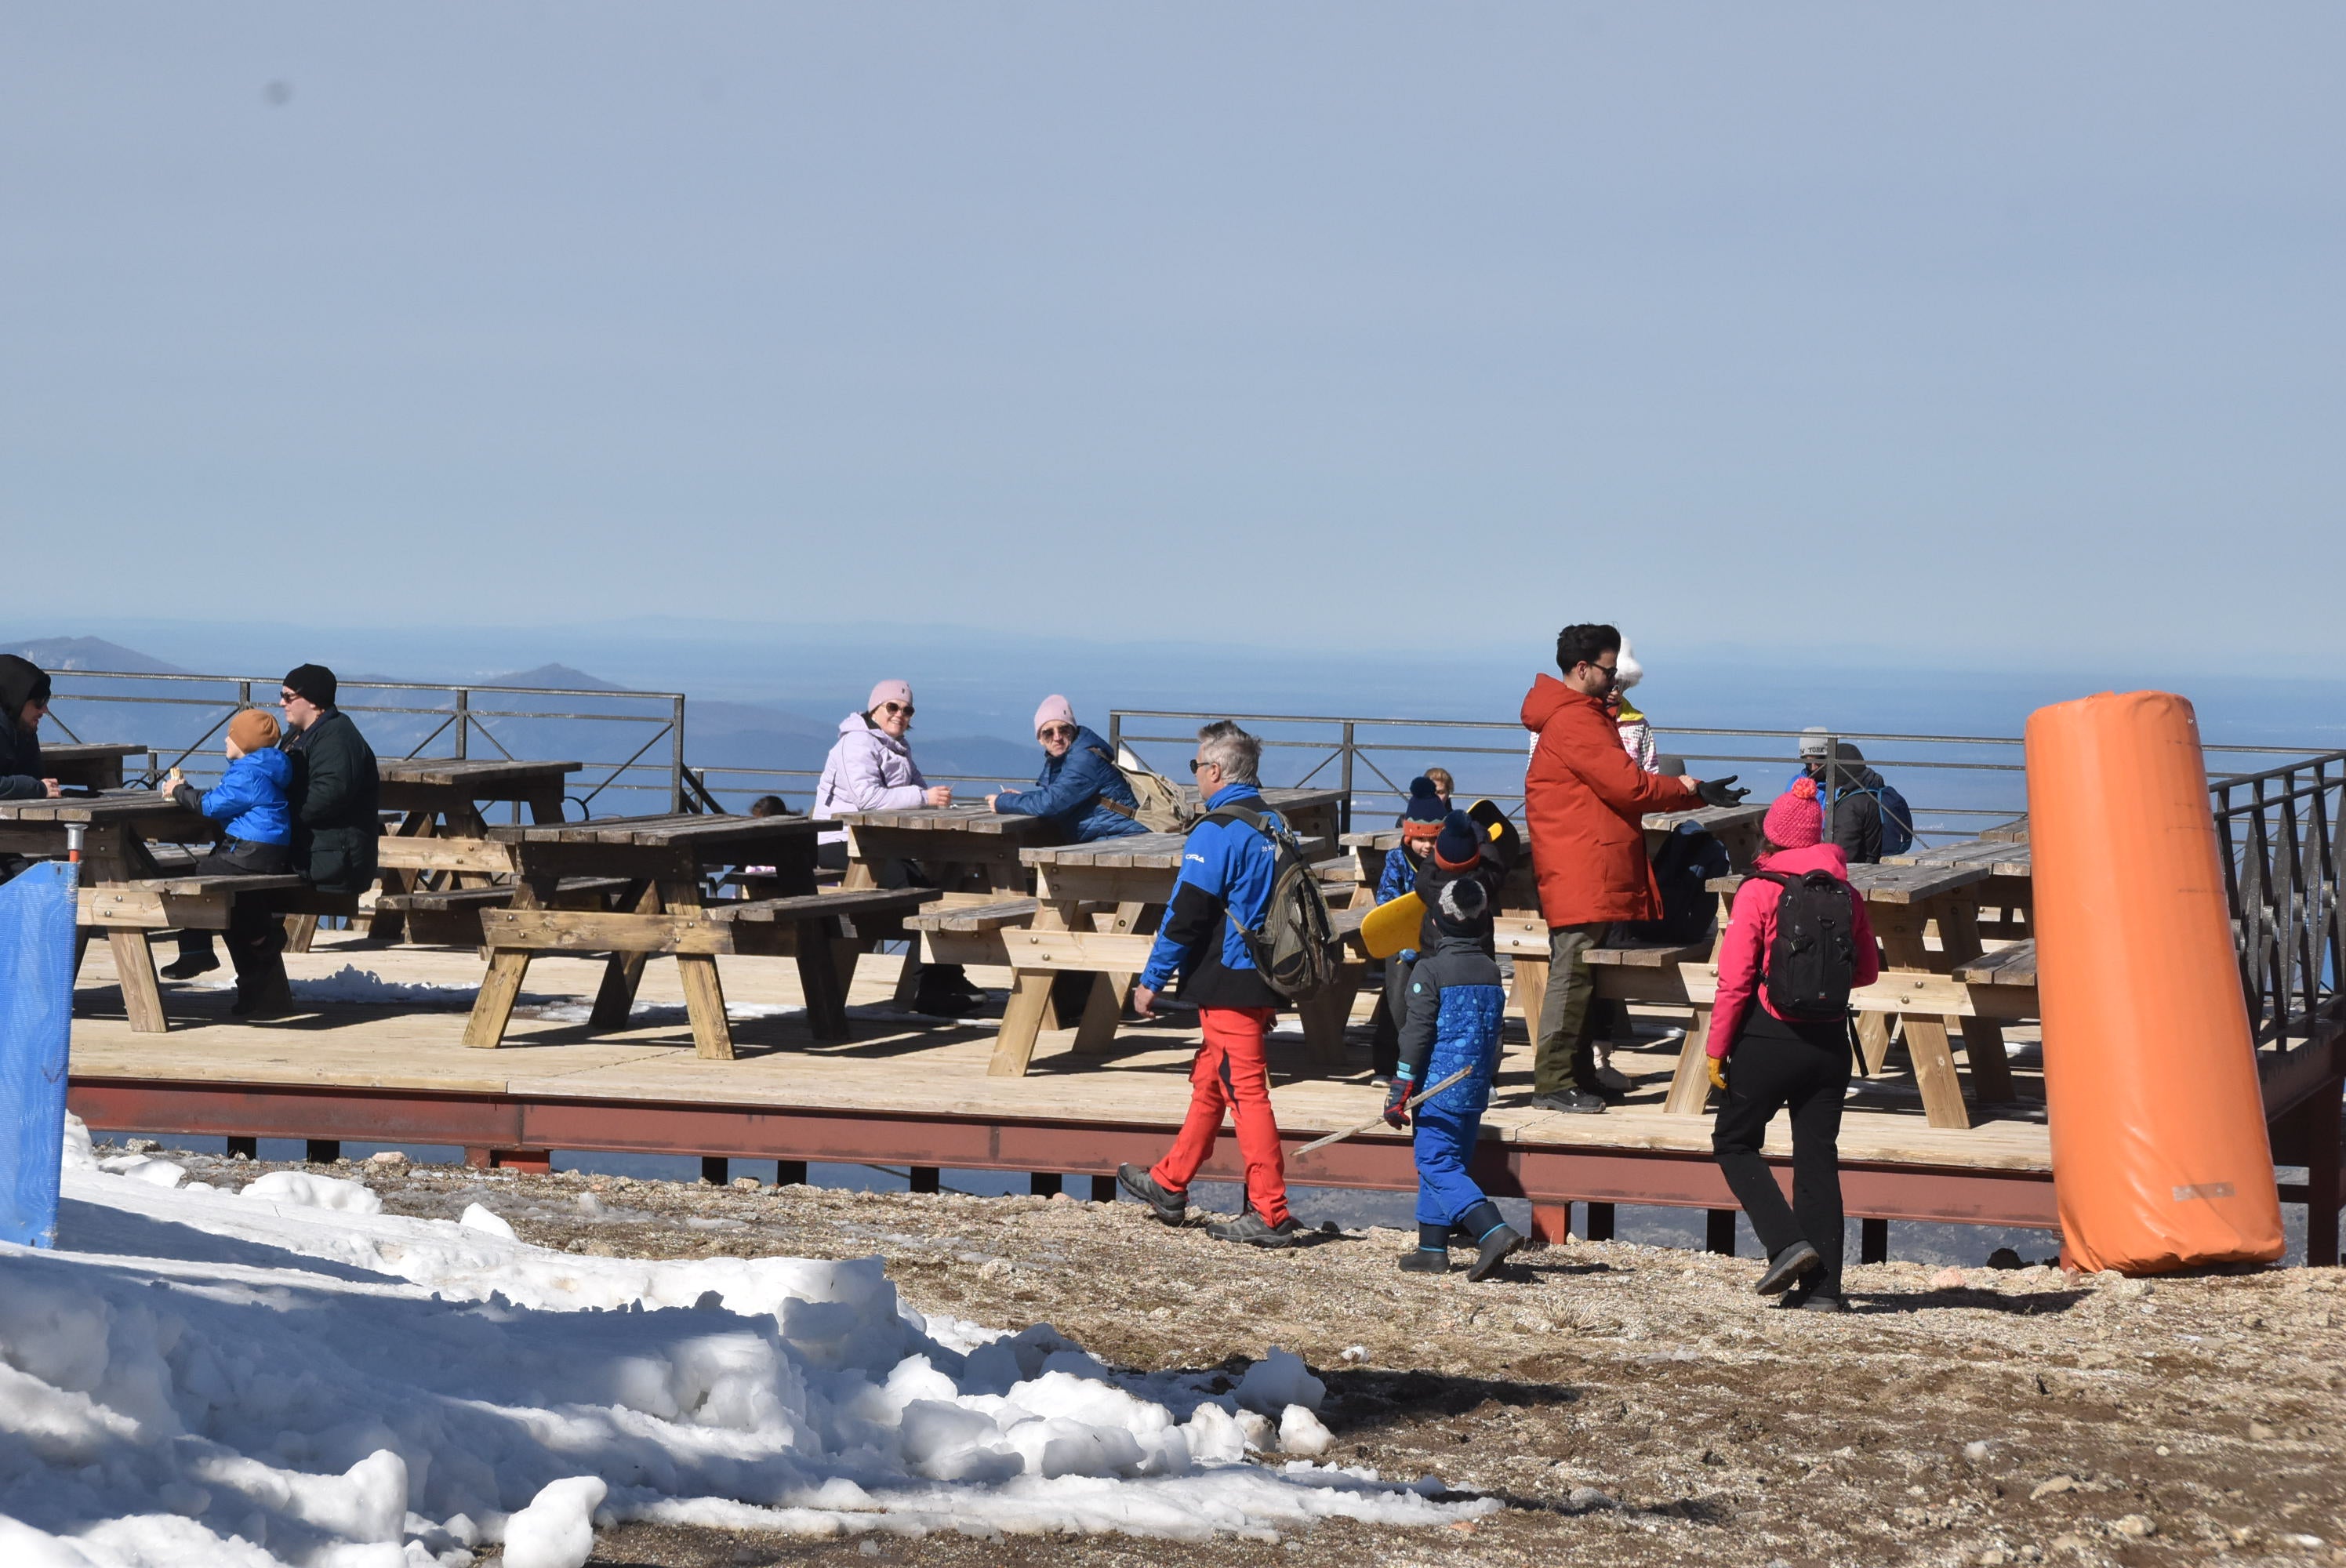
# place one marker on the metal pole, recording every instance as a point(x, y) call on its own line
point(464, 717)
point(675, 756)
point(1115, 730)
point(1345, 807)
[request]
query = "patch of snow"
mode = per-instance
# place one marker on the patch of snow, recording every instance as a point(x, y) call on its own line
point(1278, 1380)
point(196, 1379)
point(144, 1167)
point(486, 1220)
point(303, 1190)
point(1301, 1433)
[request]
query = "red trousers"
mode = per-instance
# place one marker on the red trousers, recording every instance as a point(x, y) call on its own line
point(1229, 1075)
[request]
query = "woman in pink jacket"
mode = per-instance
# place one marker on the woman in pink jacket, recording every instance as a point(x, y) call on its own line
point(870, 769)
point(1780, 1041)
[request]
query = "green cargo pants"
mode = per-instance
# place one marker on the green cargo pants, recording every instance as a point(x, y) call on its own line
point(1563, 1058)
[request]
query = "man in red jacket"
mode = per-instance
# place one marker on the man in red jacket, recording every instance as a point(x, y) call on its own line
point(1583, 802)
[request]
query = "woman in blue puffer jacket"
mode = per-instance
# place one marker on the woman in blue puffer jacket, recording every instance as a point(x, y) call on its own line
point(1080, 789)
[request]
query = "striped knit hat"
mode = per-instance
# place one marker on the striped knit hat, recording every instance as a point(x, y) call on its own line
point(1423, 818)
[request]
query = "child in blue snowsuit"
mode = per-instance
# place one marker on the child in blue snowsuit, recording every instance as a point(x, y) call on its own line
point(1455, 1007)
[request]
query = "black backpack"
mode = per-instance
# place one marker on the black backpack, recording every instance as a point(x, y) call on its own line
point(1813, 962)
point(1296, 950)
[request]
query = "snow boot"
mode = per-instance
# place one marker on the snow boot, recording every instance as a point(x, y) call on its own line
point(1172, 1207)
point(1788, 1266)
point(189, 966)
point(1494, 1249)
point(1426, 1260)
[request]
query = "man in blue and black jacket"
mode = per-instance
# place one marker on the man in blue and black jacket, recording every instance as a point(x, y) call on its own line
point(1227, 872)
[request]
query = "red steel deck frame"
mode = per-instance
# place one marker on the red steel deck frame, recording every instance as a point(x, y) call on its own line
point(520, 1129)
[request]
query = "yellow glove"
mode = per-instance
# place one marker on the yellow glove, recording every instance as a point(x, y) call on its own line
point(1717, 1065)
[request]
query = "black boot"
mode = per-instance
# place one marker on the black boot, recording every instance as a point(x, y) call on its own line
point(1172, 1207)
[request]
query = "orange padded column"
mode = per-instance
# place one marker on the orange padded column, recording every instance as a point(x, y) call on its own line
point(2160, 1158)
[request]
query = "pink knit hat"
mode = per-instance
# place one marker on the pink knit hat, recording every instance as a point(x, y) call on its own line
point(1055, 709)
point(1795, 821)
point(895, 691)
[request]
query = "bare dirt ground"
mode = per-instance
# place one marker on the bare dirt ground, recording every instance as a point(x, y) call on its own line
point(1629, 1405)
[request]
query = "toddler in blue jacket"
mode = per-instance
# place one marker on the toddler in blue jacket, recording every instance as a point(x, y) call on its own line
point(250, 802)
point(1456, 1006)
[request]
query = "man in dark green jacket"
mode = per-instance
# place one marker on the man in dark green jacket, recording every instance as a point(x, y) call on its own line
point(336, 792)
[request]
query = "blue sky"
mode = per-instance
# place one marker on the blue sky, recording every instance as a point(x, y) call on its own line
point(1999, 333)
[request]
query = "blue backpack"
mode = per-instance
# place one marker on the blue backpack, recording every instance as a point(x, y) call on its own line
point(1897, 819)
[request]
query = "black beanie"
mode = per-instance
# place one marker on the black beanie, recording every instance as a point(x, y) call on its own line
point(1460, 844)
point(314, 681)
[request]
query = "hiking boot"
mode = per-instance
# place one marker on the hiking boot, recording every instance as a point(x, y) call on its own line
point(1571, 1101)
point(948, 1003)
point(1172, 1207)
point(274, 1002)
point(1790, 1265)
point(1810, 1301)
point(1256, 1231)
point(1425, 1260)
point(1492, 1251)
point(189, 966)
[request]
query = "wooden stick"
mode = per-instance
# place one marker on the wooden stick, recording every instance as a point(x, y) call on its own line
point(1379, 1119)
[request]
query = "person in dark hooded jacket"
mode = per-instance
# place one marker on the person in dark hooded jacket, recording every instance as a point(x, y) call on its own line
point(23, 703)
point(337, 793)
point(1457, 1005)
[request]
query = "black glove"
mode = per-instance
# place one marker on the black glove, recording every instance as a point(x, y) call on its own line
point(1396, 1097)
point(1715, 792)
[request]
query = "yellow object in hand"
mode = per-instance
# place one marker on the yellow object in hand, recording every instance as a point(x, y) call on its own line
point(1717, 1065)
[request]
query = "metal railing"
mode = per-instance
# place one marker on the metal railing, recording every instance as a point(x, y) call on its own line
point(2283, 878)
point(1954, 784)
point(193, 710)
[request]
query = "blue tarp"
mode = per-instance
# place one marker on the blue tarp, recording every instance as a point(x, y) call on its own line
point(36, 956)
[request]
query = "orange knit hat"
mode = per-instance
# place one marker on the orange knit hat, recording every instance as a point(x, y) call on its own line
point(252, 731)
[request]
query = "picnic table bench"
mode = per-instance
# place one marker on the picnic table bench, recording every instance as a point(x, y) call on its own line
point(130, 891)
point(660, 911)
point(441, 843)
point(91, 765)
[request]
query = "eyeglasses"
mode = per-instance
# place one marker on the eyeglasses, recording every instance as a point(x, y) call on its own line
point(1054, 731)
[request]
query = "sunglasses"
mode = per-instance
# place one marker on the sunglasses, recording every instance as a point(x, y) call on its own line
point(1053, 731)
point(904, 708)
point(1197, 762)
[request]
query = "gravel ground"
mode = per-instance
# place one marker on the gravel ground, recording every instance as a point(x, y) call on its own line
point(1632, 1405)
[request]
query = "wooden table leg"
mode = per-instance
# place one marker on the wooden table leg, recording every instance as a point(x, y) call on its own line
point(622, 972)
point(819, 980)
point(390, 925)
point(1104, 1008)
point(142, 997)
point(1326, 1016)
point(1531, 994)
point(704, 994)
point(1983, 1049)
point(1022, 1020)
point(1899, 927)
point(1691, 1081)
point(501, 982)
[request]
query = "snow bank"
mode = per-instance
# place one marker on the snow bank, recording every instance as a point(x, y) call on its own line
point(199, 1378)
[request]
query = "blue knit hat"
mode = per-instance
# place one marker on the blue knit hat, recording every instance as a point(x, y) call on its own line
point(1426, 811)
point(1460, 844)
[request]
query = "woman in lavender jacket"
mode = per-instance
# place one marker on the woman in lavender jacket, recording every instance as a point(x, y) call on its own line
point(870, 769)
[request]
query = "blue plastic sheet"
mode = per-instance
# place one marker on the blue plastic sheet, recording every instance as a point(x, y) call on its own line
point(36, 956)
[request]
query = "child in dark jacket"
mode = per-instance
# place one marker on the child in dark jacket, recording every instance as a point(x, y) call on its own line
point(1419, 826)
point(1456, 1006)
point(250, 800)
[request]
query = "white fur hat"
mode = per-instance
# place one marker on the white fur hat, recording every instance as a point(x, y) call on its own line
point(1627, 672)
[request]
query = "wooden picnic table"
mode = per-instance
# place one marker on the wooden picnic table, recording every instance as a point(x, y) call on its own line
point(1930, 991)
point(441, 843)
point(1096, 909)
point(129, 893)
point(2006, 901)
point(961, 848)
point(657, 907)
point(92, 764)
point(1736, 826)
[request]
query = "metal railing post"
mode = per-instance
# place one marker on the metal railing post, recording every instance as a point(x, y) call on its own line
point(464, 717)
point(675, 755)
point(1345, 807)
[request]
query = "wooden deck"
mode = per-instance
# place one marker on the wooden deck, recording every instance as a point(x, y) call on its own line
point(907, 1091)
